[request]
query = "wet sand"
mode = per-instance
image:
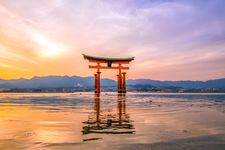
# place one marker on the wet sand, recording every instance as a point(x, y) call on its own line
point(136, 121)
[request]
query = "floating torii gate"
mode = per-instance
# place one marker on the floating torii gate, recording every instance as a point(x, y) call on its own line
point(121, 77)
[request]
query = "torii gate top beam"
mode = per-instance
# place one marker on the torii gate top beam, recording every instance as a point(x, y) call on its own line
point(108, 61)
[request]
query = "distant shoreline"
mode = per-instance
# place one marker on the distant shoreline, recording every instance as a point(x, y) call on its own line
point(105, 92)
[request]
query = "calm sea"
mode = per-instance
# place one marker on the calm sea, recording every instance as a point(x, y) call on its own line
point(54, 121)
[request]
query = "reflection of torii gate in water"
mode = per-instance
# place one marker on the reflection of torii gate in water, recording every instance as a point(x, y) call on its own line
point(109, 122)
point(121, 77)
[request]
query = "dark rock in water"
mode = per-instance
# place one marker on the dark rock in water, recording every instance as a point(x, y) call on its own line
point(91, 139)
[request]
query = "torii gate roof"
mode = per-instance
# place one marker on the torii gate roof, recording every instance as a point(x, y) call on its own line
point(107, 59)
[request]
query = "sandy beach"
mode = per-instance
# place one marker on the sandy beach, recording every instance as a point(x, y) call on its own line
point(135, 121)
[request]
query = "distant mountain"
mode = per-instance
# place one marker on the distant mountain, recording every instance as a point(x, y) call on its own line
point(53, 82)
point(77, 81)
point(217, 83)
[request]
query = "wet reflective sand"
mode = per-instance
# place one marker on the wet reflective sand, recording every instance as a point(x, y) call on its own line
point(135, 121)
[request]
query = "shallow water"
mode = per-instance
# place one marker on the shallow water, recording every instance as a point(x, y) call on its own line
point(55, 121)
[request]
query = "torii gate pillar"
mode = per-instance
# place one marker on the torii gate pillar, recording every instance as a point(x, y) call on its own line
point(121, 82)
point(124, 83)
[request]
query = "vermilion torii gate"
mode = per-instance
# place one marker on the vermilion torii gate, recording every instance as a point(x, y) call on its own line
point(121, 77)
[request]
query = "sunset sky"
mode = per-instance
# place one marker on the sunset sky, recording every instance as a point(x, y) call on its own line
point(170, 39)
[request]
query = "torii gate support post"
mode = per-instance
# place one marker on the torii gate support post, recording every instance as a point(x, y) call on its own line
point(97, 79)
point(118, 83)
point(95, 84)
point(119, 80)
point(124, 83)
point(98, 82)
